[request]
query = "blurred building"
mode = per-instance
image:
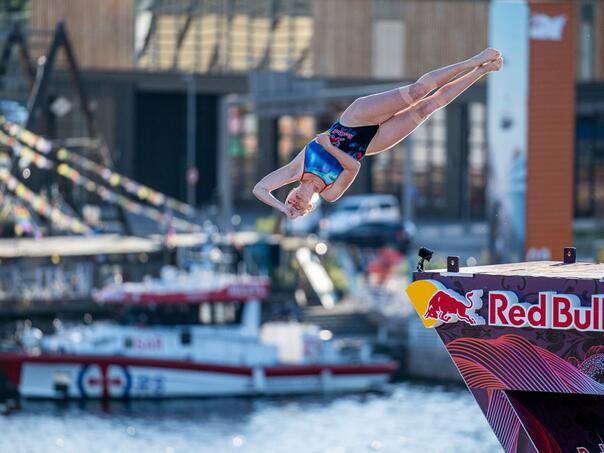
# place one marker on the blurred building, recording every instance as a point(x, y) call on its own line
point(139, 58)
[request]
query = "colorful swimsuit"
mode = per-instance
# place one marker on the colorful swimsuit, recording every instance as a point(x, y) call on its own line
point(352, 140)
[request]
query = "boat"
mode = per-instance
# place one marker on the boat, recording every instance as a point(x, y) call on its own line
point(189, 334)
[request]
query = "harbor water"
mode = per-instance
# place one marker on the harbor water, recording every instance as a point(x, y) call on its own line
point(409, 417)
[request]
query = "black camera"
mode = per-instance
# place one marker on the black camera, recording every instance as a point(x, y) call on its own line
point(425, 254)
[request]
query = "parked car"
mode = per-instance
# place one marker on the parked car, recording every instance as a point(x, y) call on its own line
point(376, 235)
point(355, 210)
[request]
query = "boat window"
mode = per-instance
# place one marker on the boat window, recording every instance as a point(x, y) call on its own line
point(230, 313)
point(205, 313)
point(128, 342)
point(219, 313)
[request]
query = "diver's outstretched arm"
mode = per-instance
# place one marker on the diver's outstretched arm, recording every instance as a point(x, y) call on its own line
point(276, 179)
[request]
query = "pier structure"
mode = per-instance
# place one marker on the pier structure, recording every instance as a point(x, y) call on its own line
point(528, 340)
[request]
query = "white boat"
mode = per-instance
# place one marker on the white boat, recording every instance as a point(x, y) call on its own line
point(187, 340)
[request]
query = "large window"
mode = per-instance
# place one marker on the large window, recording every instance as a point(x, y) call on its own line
point(224, 36)
point(387, 170)
point(294, 133)
point(243, 148)
point(477, 160)
point(589, 167)
point(448, 178)
point(429, 153)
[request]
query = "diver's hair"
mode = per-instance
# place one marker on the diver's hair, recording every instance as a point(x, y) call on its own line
point(310, 206)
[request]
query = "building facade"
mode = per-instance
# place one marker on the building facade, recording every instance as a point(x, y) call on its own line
point(135, 56)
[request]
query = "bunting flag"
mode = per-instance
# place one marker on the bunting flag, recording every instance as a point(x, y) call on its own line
point(114, 179)
point(103, 192)
point(29, 138)
point(131, 206)
point(26, 155)
point(12, 212)
point(40, 205)
point(141, 191)
point(23, 221)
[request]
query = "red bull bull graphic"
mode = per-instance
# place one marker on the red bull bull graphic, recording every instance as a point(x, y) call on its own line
point(528, 340)
point(448, 306)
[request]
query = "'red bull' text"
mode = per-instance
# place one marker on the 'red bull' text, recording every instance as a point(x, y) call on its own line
point(552, 311)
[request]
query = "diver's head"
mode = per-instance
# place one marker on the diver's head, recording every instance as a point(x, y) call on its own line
point(299, 199)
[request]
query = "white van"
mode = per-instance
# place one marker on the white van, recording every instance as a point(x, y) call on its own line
point(354, 210)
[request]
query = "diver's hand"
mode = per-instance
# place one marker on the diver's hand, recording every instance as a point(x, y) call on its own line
point(323, 139)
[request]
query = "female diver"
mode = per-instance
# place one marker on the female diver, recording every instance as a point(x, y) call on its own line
point(329, 164)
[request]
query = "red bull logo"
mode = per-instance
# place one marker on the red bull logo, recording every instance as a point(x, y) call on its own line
point(447, 306)
point(437, 304)
point(552, 311)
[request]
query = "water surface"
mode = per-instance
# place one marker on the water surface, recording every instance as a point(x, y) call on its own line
point(410, 418)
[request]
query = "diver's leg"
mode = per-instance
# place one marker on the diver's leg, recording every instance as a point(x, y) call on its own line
point(403, 123)
point(377, 108)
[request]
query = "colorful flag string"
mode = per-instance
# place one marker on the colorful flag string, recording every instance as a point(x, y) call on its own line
point(115, 179)
point(42, 206)
point(29, 138)
point(103, 192)
point(26, 155)
point(131, 206)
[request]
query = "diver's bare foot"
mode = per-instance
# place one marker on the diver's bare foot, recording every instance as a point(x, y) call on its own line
point(486, 55)
point(492, 66)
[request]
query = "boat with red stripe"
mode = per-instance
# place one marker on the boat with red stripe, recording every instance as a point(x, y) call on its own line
point(206, 341)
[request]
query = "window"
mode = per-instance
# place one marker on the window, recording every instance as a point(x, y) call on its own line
point(388, 48)
point(243, 148)
point(224, 36)
point(585, 66)
point(477, 160)
point(589, 167)
point(294, 133)
point(430, 164)
point(205, 313)
point(220, 313)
